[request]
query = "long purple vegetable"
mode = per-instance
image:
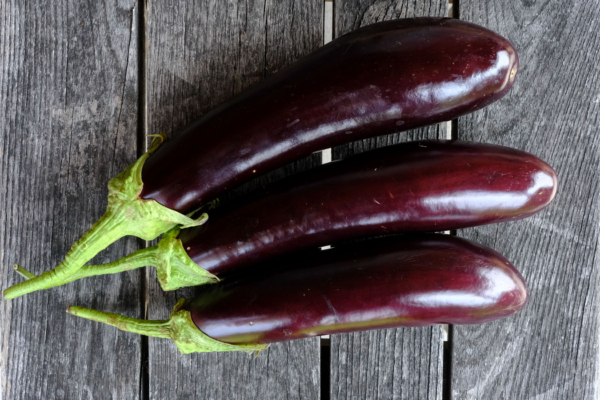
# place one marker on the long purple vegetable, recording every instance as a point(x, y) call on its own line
point(382, 78)
point(415, 186)
point(412, 281)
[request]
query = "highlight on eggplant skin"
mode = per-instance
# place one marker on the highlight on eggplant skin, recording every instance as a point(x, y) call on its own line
point(416, 280)
point(383, 78)
point(414, 186)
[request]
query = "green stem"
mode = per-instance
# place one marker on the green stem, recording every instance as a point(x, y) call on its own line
point(126, 214)
point(175, 269)
point(23, 272)
point(109, 227)
point(137, 259)
point(141, 326)
point(179, 327)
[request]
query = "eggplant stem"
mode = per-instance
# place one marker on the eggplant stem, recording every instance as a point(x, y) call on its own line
point(23, 272)
point(108, 229)
point(175, 269)
point(137, 259)
point(126, 214)
point(158, 329)
point(179, 327)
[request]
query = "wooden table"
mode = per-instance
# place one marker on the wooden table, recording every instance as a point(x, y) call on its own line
point(82, 83)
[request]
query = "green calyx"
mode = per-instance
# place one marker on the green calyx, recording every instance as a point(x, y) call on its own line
point(179, 327)
point(174, 268)
point(126, 214)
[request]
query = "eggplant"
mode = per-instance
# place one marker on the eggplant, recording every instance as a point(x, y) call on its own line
point(417, 280)
point(382, 78)
point(414, 186)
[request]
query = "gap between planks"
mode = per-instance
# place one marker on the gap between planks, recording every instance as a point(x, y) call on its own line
point(326, 153)
point(142, 144)
point(451, 132)
point(448, 136)
point(325, 340)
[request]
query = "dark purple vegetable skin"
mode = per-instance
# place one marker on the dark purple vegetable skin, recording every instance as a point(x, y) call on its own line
point(415, 186)
point(399, 281)
point(382, 78)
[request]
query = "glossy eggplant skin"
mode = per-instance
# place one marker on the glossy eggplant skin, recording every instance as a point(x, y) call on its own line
point(415, 280)
point(382, 78)
point(413, 186)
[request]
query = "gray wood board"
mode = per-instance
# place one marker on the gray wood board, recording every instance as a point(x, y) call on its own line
point(199, 55)
point(550, 349)
point(404, 363)
point(68, 121)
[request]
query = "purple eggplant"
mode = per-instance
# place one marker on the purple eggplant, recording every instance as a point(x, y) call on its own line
point(415, 280)
point(415, 186)
point(382, 78)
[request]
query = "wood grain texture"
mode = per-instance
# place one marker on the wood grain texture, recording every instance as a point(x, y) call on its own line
point(550, 350)
point(404, 363)
point(199, 55)
point(68, 115)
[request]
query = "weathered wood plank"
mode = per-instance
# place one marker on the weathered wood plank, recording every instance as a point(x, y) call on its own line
point(550, 350)
point(200, 54)
point(404, 363)
point(393, 363)
point(68, 115)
